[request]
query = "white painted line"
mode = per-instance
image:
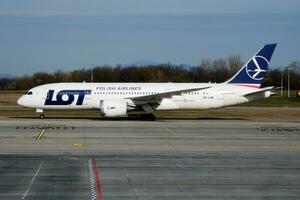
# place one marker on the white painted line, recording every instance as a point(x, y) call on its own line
point(32, 181)
point(92, 181)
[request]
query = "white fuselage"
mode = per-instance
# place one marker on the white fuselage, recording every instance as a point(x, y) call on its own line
point(89, 95)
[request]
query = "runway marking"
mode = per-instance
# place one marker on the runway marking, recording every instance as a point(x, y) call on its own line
point(92, 181)
point(96, 190)
point(77, 145)
point(41, 134)
point(40, 127)
point(32, 181)
point(279, 129)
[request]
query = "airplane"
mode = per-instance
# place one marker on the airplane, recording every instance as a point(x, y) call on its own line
point(120, 99)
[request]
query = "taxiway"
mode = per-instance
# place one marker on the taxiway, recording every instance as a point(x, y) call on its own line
point(166, 159)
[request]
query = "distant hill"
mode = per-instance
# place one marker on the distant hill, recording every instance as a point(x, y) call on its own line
point(5, 75)
point(140, 63)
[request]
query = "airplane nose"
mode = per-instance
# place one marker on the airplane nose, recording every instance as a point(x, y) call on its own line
point(21, 101)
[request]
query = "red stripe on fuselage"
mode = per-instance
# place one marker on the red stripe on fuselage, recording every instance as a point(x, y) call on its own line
point(252, 86)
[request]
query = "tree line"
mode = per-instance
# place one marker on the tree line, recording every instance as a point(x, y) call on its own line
point(218, 70)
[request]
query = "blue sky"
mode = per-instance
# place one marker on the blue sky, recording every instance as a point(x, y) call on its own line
point(49, 35)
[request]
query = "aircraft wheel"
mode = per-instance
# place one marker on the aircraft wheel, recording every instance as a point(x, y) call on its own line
point(42, 116)
point(151, 117)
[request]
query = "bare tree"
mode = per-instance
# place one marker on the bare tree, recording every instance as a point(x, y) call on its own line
point(234, 64)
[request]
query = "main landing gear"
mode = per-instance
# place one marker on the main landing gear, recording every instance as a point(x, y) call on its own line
point(149, 117)
point(149, 113)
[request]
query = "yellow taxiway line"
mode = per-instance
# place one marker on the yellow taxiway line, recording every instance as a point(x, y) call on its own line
point(41, 134)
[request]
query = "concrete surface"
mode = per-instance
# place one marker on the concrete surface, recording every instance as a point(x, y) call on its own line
point(180, 159)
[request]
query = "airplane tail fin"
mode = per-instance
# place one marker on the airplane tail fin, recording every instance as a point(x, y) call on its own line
point(253, 72)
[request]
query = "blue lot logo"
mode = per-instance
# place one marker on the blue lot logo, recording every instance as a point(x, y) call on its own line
point(66, 97)
point(256, 68)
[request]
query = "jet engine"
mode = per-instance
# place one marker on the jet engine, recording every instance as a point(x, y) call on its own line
point(113, 108)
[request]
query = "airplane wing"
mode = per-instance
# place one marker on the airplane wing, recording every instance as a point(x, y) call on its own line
point(156, 98)
point(260, 91)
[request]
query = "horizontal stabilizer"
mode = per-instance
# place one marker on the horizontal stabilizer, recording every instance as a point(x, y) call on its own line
point(260, 91)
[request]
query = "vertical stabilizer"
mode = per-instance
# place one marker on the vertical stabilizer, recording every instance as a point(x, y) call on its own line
point(253, 72)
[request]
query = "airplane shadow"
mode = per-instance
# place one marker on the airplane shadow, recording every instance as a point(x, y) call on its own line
point(130, 118)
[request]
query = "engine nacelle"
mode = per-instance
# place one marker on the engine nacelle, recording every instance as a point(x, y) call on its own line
point(113, 108)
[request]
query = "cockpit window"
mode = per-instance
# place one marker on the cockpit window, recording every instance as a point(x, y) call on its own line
point(28, 93)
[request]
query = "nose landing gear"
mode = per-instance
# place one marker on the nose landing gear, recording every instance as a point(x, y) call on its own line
point(41, 116)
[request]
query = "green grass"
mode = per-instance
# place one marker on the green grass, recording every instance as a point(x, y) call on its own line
point(275, 101)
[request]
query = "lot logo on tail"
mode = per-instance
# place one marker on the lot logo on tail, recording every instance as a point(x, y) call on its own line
point(256, 67)
point(254, 71)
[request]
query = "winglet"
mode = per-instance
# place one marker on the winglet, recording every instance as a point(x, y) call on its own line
point(253, 72)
